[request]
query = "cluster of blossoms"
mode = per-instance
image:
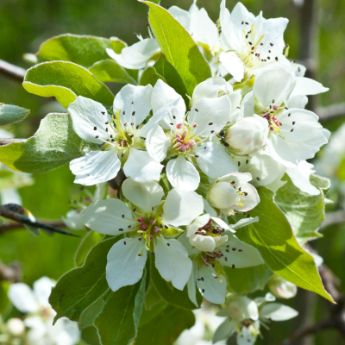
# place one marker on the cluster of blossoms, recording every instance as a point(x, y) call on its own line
point(36, 326)
point(189, 170)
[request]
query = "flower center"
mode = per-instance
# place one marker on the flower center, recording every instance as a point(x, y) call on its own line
point(183, 140)
point(272, 116)
point(210, 229)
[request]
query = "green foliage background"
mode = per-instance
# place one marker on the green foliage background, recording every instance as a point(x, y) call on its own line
point(24, 24)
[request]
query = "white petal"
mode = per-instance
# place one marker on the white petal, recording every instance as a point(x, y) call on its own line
point(307, 87)
point(245, 337)
point(301, 135)
point(42, 289)
point(95, 167)
point(181, 208)
point(141, 167)
point(224, 331)
point(65, 332)
point(238, 254)
point(277, 312)
point(231, 63)
point(23, 298)
point(144, 195)
point(133, 104)
point(110, 217)
point(213, 160)
point(300, 177)
point(191, 288)
point(125, 262)
point(157, 143)
point(273, 84)
point(182, 16)
point(202, 28)
point(137, 55)
point(208, 116)
point(211, 285)
point(89, 120)
point(164, 96)
point(222, 195)
point(182, 174)
point(172, 262)
point(242, 308)
point(211, 88)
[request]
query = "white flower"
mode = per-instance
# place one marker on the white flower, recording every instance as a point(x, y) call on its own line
point(138, 55)
point(295, 134)
point(233, 193)
point(215, 246)
point(206, 322)
point(149, 228)
point(40, 315)
point(15, 326)
point(250, 41)
point(246, 315)
point(183, 138)
point(117, 137)
point(247, 135)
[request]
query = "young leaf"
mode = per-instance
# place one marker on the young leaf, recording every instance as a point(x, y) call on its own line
point(116, 323)
point(178, 47)
point(247, 280)
point(171, 320)
point(54, 144)
point(305, 213)
point(65, 81)
point(79, 288)
point(84, 50)
point(274, 238)
point(12, 113)
point(108, 70)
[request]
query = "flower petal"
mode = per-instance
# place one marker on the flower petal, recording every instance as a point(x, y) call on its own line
point(182, 174)
point(133, 104)
point(23, 298)
point(90, 120)
point(232, 64)
point(42, 289)
point(157, 143)
point(277, 312)
point(245, 337)
point(110, 217)
point(307, 87)
point(125, 262)
point(172, 262)
point(182, 207)
point(141, 167)
point(144, 195)
point(137, 55)
point(208, 116)
point(95, 167)
point(211, 285)
point(238, 254)
point(213, 160)
point(211, 88)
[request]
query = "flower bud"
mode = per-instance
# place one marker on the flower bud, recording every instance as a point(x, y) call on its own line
point(242, 308)
point(247, 135)
point(282, 288)
point(15, 326)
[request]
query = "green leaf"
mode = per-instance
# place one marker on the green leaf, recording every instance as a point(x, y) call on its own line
point(115, 323)
point(12, 113)
point(274, 238)
point(79, 288)
point(53, 145)
point(108, 70)
point(247, 280)
point(65, 81)
point(178, 47)
point(4, 301)
point(304, 212)
point(165, 324)
point(84, 50)
point(11, 179)
point(86, 244)
point(168, 293)
point(90, 336)
point(139, 302)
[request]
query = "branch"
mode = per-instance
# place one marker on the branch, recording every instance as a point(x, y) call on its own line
point(331, 112)
point(12, 71)
point(18, 214)
point(8, 227)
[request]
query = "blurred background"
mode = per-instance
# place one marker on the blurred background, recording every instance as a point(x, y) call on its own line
point(315, 35)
